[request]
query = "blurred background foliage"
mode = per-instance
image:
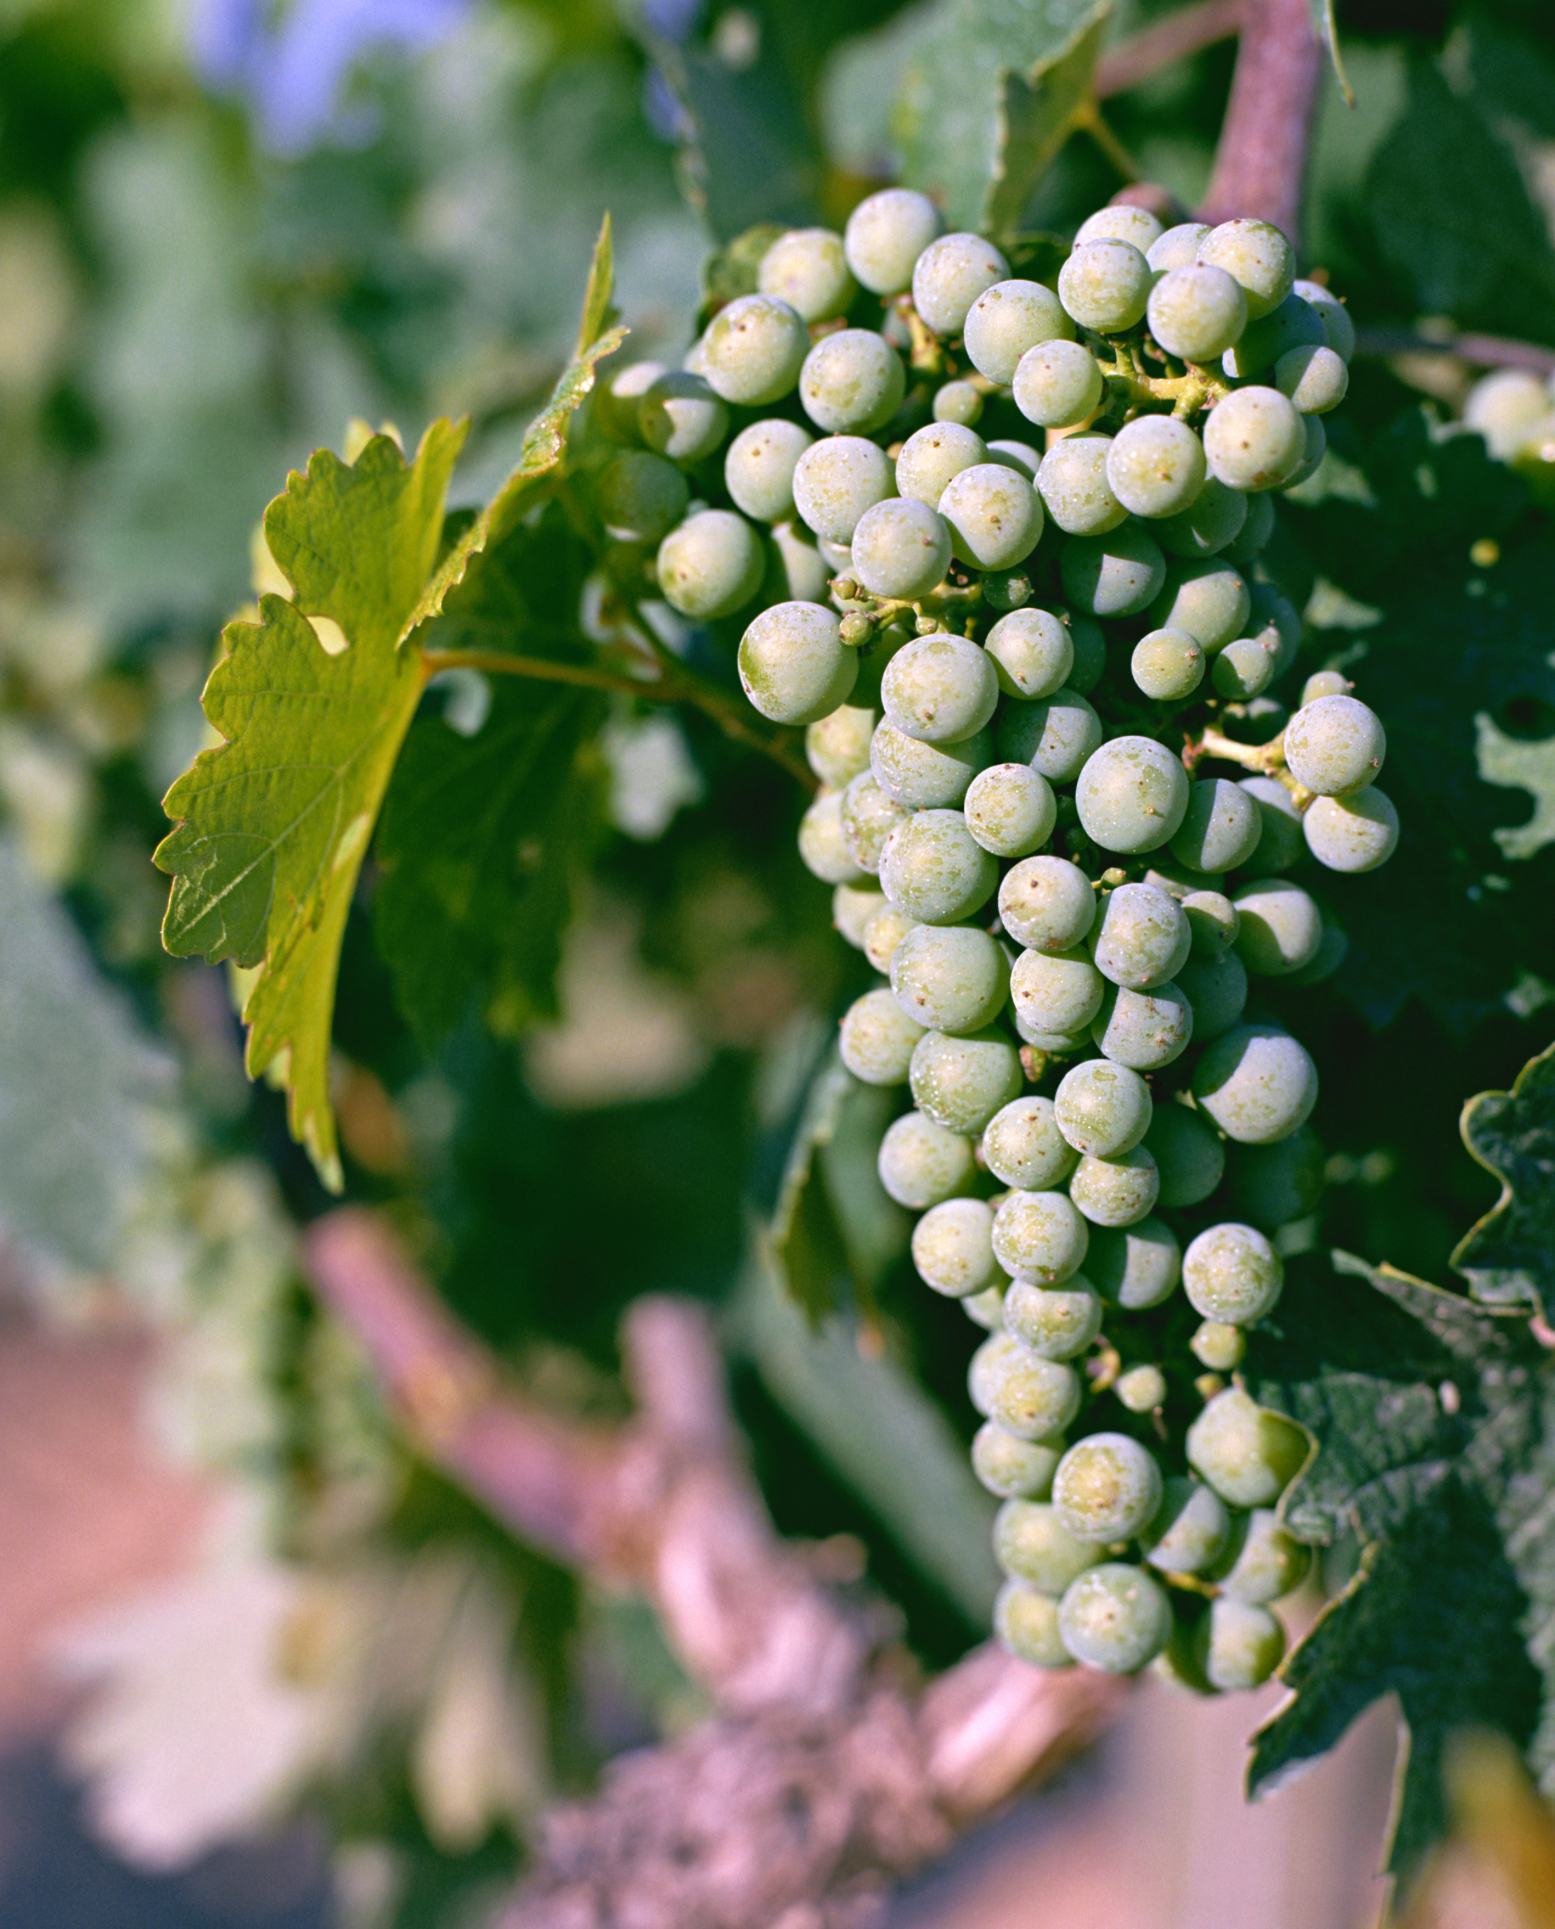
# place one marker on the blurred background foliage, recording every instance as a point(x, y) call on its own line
point(225, 232)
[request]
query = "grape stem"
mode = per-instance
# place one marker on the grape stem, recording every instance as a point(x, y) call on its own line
point(1175, 37)
point(1261, 160)
point(1268, 759)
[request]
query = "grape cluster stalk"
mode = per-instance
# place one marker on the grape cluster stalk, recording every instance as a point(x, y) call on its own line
point(1018, 659)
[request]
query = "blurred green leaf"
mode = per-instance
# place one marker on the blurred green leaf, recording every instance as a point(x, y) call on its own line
point(1508, 1258)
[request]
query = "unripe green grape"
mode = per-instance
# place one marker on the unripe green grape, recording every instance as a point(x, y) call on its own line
point(1279, 927)
point(1253, 538)
point(1280, 844)
point(1217, 990)
point(1134, 1267)
point(1190, 1528)
point(883, 934)
point(1074, 486)
point(1143, 1030)
point(852, 908)
point(1210, 523)
point(823, 844)
point(1254, 438)
point(1055, 734)
point(878, 1038)
point(1352, 833)
point(1257, 1083)
point(1055, 1322)
point(1115, 1618)
point(1315, 379)
point(1168, 664)
point(950, 978)
point(940, 688)
point(949, 276)
point(920, 1163)
point(1261, 1563)
point(952, 1247)
point(961, 1082)
point(1142, 937)
point(1212, 920)
point(1258, 256)
point(617, 396)
point(1010, 809)
point(1142, 1389)
point(1155, 466)
point(1220, 828)
point(1335, 745)
point(957, 402)
point(901, 548)
point(885, 236)
point(1105, 285)
point(1120, 222)
point(1131, 795)
point(994, 515)
point(987, 1367)
point(1040, 1236)
point(1056, 993)
point(932, 868)
point(1178, 247)
point(985, 1309)
point(1025, 1621)
point(1008, 319)
point(837, 556)
point(1117, 574)
point(1204, 596)
point(868, 817)
point(640, 497)
point(1331, 312)
point(1247, 1453)
point(681, 417)
point(932, 455)
point(753, 350)
point(1294, 324)
point(1232, 1274)
point(1219, 1347)
point(1177, 880)
point(1047, 904)
point(1102, 1109)
point(1032, 1544)
point(1010, 1468)
point(1058, 384)
point(808, 269)
point(1315, 447)
point(1196, 312)
point(837, 745)
point(1031, 1398)
point(1116, 1192)
point(852, 381)
point(1023, 1146)
point(1106, 1488)
point(1325, 683)
point(1244, 669)
point(835, 480)
point(1239, 1646)
point(794, 669)
point(711, 565)
point(759, 469)
point(1032, 653)
point(1189, 1156)
point(1273, 1184)
point(926, 776)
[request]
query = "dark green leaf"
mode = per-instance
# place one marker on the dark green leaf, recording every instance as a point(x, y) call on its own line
point(1327, 30)
point(750, 154)
point(1508, 1258)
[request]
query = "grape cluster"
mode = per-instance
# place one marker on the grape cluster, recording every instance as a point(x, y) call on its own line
point(1018, 663)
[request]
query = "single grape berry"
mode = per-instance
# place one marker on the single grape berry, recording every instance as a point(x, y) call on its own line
point(1168, 664)
point(1115, 1618)
point(640, 497)
point(901, 548)
point(753, 350)
point(1239, 1645)
point(926, 776)
point(1189, 1530)
point(1257, 1083)
point(1188, 1153)
point(1117, 574)
point(1047, 904)
point(940, 688)
point(1025, 1620)
point(1134, 1267)
point(878, 1038)
point(835, 480)
point(1006, 321)
point(1032, 652)
point(1155, 466)
point(1055, 734)
point(1106, 1488)
point(711, 565)
point(994, 515)
point(932, 455)
point(1255, 255)
point(681, 417)
point(1132, 795)
point(808, 268)
point(851, 382)
point(1116, 1192)
point(794, 669)
point(961, 1082)
point(1352, 833)
point(1144, 1029)
point(950, 978)
point(1040, 1236)
point(1023, 1146)
point(952, 1247)
point(1178, 247)
point(1074, 486)
point(957, 402)
point(1143, 937)
point(1231, 1274)
point(1121, 222)
point(885, 236)
point(1102, 1109)
point(949, 276)
point(1105, 284)
point(1055, 1322)
point(1335, 745)
point(1010, 1468)
point(1010, 809)
point(1279, 927)
point(1261, 1562)
point(1247, 1453)
point(1254, 439)
point(1057, 384)
point(1197, 311)
point(1031, 1543)
point(920, 1163)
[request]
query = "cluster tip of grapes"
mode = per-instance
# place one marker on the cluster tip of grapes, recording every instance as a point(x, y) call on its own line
point(1069, 916)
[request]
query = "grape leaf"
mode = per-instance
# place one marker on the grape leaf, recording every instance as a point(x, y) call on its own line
point(1436, 1423)
point(1326, 28)
point(1508, 1257)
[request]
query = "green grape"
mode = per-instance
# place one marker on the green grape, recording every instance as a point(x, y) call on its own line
point(949, 276)
point(868, 818)
point(1008, 589)
point(681, 417)
point(1032, 653)
point(1055, 735)
point(837, 556)
point(1352, 833)
point(878, 1039)
point(1220, 828)
point(1058, 384)
point(1010, 809)
point(795, 571)
point(932, 868)
point(1031, 1398)
point(1117, 574)
point(1216, 988)
point(1134, 1267)
point(1175, 879)
point(1294, 324)
point(1142, 937)
point(1262, 1563)
point(901, 548)
point(1016, 455)
point(1178, 247)
point(808, 268)
point(640, 497)
point(1256, 255)
point(759, 469)
point(1232, 1274)
point(1142, 1389)
point(885, 236)
point(1025, 1620)
point(1255, 439)
point(952, 1247)
point(1204, 596)
point(883, 934)
point(1243, 669)
point(1279, 928)
point(1120, 222)
point(926, 776)
point(985, 1309)
point(1315, 447)
point(1337, 326)
point(1213, 922)
point(1252, 539)
point(1335, 745)
point(1131, 796)
point(853, 907)
point(823, 844)
point(1257, 1083)
point(1275, 623)
point(1325, 683)
point(994, 514)
point(1055, 1322)
point(1189, 1156)
point(1333, 948)
point(940, 688)
point(1196, 312)
point(1143, 1030)
point(1008, 319)
point(836, 480)
point(1238, 1646)
point(1023, 1146)
point(951, 978)
point(1047, 904)
point(852, 381)
point(1106, 1488)
point(961, 1082)
point(1315, 379)
point(988, 1366)
point(957, 402)
point(836, 746)
point(1074, 486)
point(1247, 1453)
point(1210, 523)
point(753, 350)
point(1010, 1468)
point(1280, 844)
point(1189, 1530)
point(1155, 466)
point(1273, 1184)
point(932, 455)
point(711, 565)
point(1105, 285)
point(1090, 652)
point(1167, 664)
point(1102, 1109)
point(1118, 1191)
point(1115, 1618)
point(1056, 993)
point(1032, 1544)
point(795, 669)
point(1219, 1347)
point(1039, 1236)
point(920, 1163)
point(616, 399)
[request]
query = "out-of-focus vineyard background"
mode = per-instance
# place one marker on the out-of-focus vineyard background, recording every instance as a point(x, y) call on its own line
point(259, 1664)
